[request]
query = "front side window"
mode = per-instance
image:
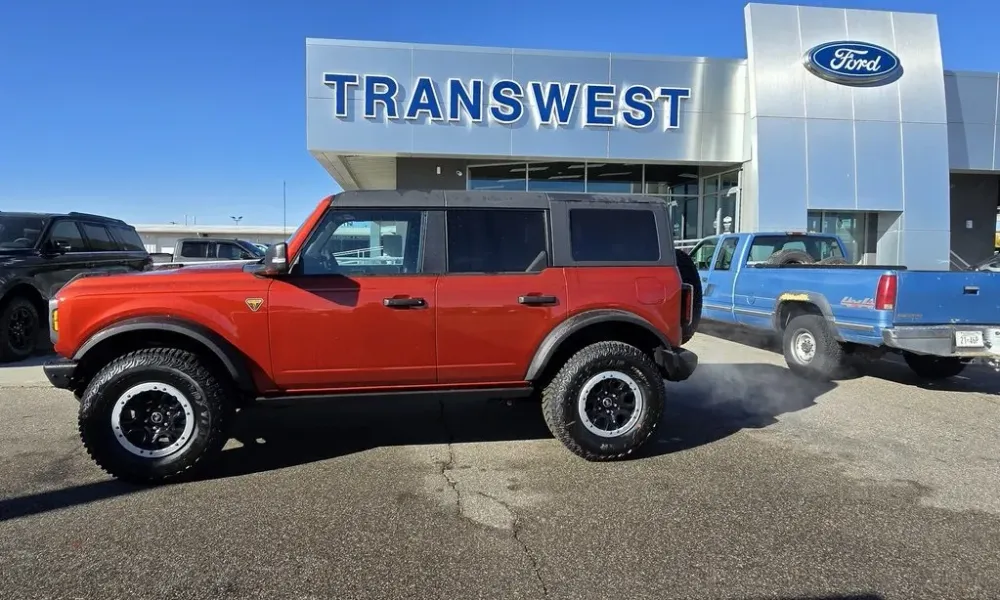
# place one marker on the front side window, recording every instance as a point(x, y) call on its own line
point(725, 260)
point(496, 241)
point(20, 232)
point(194, 249)
point(703, 252)
point(613, 235)
point(68, 234)
point(365, 242)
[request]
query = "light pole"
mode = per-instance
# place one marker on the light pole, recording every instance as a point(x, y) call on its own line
point(237, 219)
point(284, 210)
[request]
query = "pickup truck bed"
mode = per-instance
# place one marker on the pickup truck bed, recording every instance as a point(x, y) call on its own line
point(938, 320)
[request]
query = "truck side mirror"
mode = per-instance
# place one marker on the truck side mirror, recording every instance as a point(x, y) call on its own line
point(276, 260)
point(57, 247)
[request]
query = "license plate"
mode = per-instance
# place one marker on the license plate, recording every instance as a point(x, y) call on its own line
point(968, 339)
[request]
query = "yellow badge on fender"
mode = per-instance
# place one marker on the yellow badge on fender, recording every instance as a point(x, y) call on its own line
point(254, 304)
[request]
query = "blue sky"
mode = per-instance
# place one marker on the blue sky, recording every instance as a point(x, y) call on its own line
point(153, 111)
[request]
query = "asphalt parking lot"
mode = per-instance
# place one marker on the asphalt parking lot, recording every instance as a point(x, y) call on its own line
point(759, 485)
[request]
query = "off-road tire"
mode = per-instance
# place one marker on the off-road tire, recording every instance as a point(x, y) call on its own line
point(790, 257)
point(9, 352)
point(208, 393)
point(560, 400)
point(934, 367)
point(689, 275)
point(834, 260)
point(828, 356)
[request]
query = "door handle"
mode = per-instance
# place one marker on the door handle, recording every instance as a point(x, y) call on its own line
point(536, 300)
point(403, 302)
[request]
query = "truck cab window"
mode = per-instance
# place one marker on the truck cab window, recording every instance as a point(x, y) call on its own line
point(68, 233)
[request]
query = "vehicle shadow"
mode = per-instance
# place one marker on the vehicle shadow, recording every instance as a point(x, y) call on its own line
point(976, 378)
point(717, 402)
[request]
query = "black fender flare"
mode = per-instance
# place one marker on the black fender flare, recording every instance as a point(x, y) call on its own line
point(817, 300)
point(231, 358)
point(562, 332)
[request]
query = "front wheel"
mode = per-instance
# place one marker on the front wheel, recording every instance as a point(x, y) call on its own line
point(19, 328)
point(605, 402)
point(810, 348)
point(154, 415)
point(934, 367)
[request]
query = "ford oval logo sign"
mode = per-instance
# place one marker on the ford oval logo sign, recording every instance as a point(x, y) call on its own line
point(854, 63)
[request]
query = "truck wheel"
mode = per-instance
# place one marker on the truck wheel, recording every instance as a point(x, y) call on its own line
point(810, 348)
point(605, 402)
point(689, 275)
point(790, 257)
point(934, 367)
point(18, 329)
point(154, 415)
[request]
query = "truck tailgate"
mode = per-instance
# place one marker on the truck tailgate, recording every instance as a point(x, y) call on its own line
point(947, 297)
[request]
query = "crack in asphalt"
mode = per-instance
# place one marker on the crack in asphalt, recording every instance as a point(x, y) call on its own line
point(448, 466)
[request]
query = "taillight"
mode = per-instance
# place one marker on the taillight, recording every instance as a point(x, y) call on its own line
point(687, 303)
point(885, 294)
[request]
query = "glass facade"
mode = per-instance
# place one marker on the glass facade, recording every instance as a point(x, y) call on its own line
point(858, 231)
point(700, 206)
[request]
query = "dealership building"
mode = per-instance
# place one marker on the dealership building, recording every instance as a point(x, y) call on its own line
point(841, 121)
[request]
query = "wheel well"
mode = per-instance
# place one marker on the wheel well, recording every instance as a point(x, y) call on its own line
point(137, 339)
point(605, 331)
point(23, 290)
point(789, 310)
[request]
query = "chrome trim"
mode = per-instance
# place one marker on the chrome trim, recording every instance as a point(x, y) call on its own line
point(855, 326)
point(754, 312)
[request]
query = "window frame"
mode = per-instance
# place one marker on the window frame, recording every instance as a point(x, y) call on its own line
point(547, 224)
point(430, 253)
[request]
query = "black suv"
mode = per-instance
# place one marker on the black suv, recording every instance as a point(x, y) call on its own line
point(39, 253)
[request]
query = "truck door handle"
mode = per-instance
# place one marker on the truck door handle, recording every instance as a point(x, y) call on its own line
point(403, 302)
point(536, 300)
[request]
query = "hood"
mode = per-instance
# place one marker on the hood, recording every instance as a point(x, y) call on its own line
point(207, 278)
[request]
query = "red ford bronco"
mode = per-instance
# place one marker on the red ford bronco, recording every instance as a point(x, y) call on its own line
point(578, 299)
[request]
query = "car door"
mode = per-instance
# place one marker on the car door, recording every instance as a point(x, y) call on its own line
point(718, 280)
point(55, 269)
point(498, 297)
point(357, 308)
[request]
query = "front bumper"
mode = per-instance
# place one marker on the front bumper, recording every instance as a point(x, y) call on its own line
point(676, 364)
point(940, 340)
point(60, 372)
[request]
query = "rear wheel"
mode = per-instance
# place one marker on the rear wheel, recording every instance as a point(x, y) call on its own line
point(605, 402)
point(689, 275)
point(810, 349)
point(934, 367)
point(19, 324)
point(154, 415)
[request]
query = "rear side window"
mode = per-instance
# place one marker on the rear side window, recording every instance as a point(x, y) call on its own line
point(613, 235)
point(194, 249)
point(496, 241)
point(98, 237)
point(129, 239)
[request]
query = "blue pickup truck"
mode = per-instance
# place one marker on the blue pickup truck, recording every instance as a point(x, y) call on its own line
point(801, 286)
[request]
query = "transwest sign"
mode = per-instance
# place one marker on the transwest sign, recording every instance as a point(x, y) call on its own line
point(506, 101)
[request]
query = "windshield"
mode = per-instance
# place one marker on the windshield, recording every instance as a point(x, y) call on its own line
point(20, 232)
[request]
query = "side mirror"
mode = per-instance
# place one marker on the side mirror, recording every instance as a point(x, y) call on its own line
point(276, 260)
